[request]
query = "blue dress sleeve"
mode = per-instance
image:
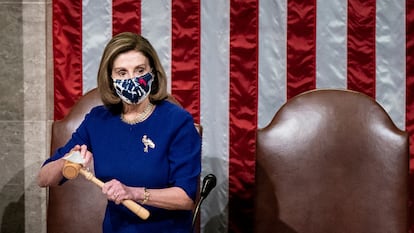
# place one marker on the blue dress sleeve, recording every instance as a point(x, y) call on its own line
point(185, 155)
point(79, 137)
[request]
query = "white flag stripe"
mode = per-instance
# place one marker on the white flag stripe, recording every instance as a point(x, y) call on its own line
point(214, 110)
point(156, 27)
point(390, 58)
point(95, 35)
point(331, 46)
point(272, 59)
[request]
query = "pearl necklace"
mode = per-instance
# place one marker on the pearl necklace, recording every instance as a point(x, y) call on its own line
point(141, 116)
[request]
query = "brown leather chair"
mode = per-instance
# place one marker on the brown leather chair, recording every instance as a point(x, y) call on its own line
point(78, 206)
point(331, 161)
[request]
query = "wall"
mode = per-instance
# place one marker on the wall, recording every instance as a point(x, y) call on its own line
point(25, 112)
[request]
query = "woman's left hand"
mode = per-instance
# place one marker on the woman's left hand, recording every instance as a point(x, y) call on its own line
point(116, 191)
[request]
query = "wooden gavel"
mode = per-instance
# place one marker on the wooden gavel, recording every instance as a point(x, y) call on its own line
point(71, 171)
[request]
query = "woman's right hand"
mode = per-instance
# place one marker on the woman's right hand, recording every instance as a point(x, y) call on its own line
point(51, 173)
point(85, 153)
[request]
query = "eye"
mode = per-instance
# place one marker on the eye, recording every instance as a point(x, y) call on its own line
point(121, 73)
point(139, 71)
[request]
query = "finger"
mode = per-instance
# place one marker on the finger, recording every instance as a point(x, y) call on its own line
point(88, 159)
point(116, 199)
point(109, 188)
point(83, 150)
point(86, 155)
point(114, 196)
point(76, 148)
point(111, 194)
point(105, 188)
point(119, 197)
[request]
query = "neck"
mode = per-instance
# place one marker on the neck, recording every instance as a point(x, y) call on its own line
point(134, 114)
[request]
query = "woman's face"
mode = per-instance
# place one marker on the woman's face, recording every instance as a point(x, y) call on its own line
point(129, 65)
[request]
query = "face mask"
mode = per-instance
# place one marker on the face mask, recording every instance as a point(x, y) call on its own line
point(134, 90)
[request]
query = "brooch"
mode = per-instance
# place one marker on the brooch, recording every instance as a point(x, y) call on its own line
point(148, 143)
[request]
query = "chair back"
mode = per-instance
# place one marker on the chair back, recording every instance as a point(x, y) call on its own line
point(78, 205)
point(331, 161)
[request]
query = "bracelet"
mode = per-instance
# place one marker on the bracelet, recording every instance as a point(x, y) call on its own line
point(146, 196)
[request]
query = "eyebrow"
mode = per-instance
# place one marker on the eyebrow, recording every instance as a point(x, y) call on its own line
point(138, 66)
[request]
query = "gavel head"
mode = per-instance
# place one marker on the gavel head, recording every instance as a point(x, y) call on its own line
point(71, 170)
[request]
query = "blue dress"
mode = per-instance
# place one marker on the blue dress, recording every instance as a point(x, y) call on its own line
point(162, 151)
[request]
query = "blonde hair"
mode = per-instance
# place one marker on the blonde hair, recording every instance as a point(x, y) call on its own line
point(121, 43)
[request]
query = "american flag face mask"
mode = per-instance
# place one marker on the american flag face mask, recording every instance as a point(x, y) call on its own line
point(134, 90)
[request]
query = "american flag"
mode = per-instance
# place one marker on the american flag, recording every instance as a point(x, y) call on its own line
point(233, 63)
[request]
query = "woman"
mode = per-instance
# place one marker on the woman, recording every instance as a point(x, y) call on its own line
point(143, 147)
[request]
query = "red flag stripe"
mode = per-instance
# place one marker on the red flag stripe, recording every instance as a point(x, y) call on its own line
point(67, 54)
point(410, 98)
point(301, 47)
point(410, 74)
point(361, 46)
point(243, 112)
point(126, 16)
point(185, 64)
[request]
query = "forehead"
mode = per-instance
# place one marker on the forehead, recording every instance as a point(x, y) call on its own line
point(130, 58)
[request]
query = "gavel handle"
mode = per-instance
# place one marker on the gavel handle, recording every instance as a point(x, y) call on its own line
point(131, 205)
